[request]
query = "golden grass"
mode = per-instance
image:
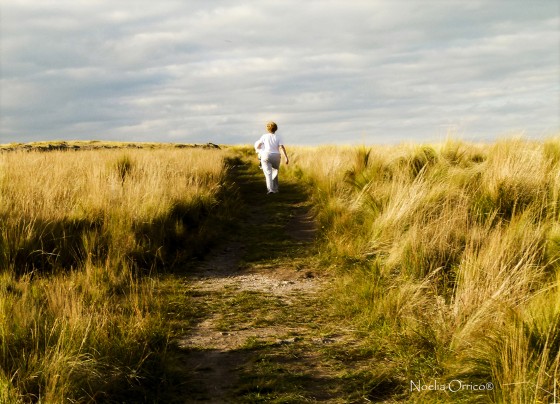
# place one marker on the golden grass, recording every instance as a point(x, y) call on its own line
point(447, 256)
point(80, 234)
point(450, 257)
point(63, 208)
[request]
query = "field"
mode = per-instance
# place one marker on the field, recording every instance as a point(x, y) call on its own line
point(410, 273)
point(447, 261)
point(83, 236)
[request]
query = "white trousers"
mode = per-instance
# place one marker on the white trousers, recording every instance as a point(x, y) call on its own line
point(270, 165)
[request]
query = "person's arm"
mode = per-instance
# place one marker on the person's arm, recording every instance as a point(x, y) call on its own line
point(285, 154)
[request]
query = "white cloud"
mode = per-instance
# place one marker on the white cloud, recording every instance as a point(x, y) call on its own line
point(328, 71)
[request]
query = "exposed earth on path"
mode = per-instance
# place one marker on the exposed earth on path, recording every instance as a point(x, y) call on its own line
point(263, 332)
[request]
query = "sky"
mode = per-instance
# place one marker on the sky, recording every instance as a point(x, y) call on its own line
point(328, 72)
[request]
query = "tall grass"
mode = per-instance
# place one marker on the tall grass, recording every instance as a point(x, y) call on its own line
point(81, 235)
point(62, 209)
point(449, 259)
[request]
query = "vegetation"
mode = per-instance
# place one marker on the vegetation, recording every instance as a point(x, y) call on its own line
point(83, 237)
point(447, 257)
point(444, 262)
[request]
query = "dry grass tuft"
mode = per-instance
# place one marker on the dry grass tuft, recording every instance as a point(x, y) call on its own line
point(449, 255)
point(82, 234)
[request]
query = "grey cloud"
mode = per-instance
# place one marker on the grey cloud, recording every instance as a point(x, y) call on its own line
point(328, 71)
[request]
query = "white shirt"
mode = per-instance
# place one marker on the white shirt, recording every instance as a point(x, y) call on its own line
point(270, 143)
point(257, 150)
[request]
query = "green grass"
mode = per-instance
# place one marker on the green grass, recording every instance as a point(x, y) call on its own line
point(446, 256)
point(443, 262)
point(88, 241)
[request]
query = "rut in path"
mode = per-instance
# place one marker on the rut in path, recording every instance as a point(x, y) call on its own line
point(262, 330)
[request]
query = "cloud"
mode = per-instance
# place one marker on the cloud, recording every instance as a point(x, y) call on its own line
point(329, 72)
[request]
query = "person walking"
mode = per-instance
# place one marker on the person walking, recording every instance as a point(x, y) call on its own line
point(270, 144)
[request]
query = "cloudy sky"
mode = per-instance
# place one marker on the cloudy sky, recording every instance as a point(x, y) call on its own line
point(346, 71)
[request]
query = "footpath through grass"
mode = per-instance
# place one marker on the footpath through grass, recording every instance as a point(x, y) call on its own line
point(263, 331)
point(170, 276)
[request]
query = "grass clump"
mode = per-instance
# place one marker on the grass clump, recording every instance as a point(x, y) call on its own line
point(84, 237)
point(106, 205)
point(447, 256)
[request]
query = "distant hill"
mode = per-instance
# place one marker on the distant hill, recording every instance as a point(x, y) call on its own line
point(96, 145)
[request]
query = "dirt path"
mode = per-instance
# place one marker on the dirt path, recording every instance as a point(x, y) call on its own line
point(262, 335)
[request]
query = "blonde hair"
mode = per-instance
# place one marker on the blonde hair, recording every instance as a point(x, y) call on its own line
point(271, 127)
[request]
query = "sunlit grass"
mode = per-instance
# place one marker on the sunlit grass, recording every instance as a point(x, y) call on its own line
point(448, 254)
point(445, 259)
point(83, 237)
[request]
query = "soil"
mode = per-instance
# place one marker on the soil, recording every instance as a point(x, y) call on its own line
point(261, 330)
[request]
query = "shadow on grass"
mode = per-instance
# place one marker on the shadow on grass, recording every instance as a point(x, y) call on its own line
point(293, 363)
point(276, 231)
point(187, 230)
point(273, 230)
point(270, 226)
point(250, 375)
point(280, 374)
